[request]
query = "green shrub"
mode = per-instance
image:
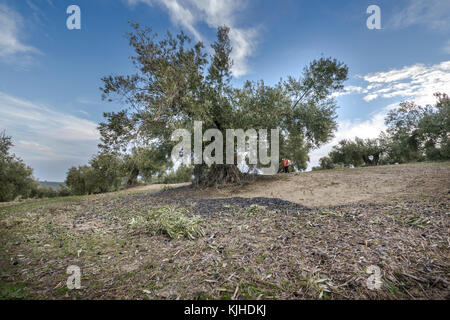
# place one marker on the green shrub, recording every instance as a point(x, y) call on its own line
point(326, 163)
point(39, 191)
point(64, 191)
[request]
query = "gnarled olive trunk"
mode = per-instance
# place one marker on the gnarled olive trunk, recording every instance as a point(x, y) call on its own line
point(216, 175)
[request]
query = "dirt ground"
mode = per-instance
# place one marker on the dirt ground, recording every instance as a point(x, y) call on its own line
point(155, 187)
point(346, 186)
point(316, 235)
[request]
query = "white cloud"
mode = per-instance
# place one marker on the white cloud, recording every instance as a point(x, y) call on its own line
point(434, 14)
point(83, 100)
point(34, 147)
point(417, 82)
point(188, 13)
point(47, 140)
point(370, 97)
point(349, 90)
point(11, 24)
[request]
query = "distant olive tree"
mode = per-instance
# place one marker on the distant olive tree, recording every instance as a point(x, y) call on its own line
point(418, 133)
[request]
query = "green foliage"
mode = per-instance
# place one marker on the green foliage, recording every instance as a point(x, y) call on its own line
point(434, 128)
point(325, 163)
point(169, 221)
point(172, 88)
point(15, 177)
point(108, 172)
point(16, 180)
point(356, 152)
point(251, 211)
point(39, 191)
point(145, 163)
point(104, 174)
point(9, 291)
point(403, 124)
point(182, 174)
point(64, 191)
point(417, 133)
point(5, 144)
point(75, 180)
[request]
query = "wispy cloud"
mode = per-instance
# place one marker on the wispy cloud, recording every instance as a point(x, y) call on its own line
point(417, 82)
point(38, 14)
point(11, 32)
point(189, 13)
point(349, 90)
point(434, 14)
point(83, 100)
point(47, 138)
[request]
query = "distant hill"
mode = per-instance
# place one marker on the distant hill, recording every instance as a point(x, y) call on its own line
point(52, 184)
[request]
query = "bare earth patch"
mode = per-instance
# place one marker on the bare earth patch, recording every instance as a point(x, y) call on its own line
point(346, 186)
point(156, 187)
point(259, 243)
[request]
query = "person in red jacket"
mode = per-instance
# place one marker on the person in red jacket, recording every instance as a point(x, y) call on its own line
point(286, 165)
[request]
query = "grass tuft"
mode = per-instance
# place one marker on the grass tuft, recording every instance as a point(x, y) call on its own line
point(10, 291)
point(171, 222)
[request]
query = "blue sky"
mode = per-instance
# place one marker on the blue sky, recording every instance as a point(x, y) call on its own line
point(49, 76)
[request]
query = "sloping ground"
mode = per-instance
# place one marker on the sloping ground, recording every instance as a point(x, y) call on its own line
point(155, 187)
point(347, 186)
point(253, 248)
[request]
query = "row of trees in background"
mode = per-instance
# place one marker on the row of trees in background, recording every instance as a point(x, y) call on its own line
point(104, 173)
point(108, 172)
point(414, 133)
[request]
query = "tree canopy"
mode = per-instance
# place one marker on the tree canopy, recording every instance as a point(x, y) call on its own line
point(417, 133)
point(177, 82)
point(15, 177)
